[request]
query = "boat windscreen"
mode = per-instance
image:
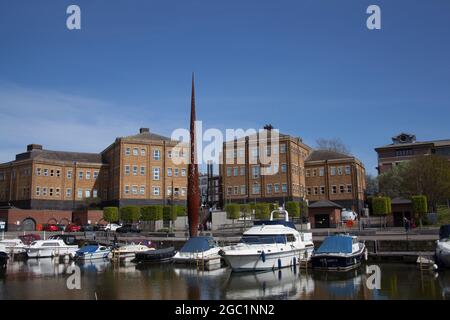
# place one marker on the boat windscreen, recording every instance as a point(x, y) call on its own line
point(88, 249)
point(198, 244)
point(264, 239)
point(335, 244)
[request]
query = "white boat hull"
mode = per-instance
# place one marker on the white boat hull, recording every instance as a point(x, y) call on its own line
point(443, 254)
point(94, 256)
point(50, 252)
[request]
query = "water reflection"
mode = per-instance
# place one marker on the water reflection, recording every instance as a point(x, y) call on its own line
point(103, 279)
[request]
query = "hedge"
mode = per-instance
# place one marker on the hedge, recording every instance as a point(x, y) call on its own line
point(293, 208)
point(181, 210)
point(419, 204)
point(381, 205)
point(262, 211)
point(111, 214)
point(233, 211)
point(130, 213)
point(169, 213)
point(152, 213)
point(246, 210)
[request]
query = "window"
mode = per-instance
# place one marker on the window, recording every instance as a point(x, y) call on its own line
point(95, 174)
point(255, 188)
point(269, 188)
point(284, 187)
point(349, 188)
point(316, 190)
point(135, 170)
point(243, 189)
point(57, 192)
point(80, 175)
point(282, 148)
point(333, 171)
point(236, 190)
point(69, 174)
point(242, 169)
point(254, 152)
point(68, 192)
point(94, 193)
point(321, 172)
point(142, 171)
point(403, 152)
point(143, 152)
point(308, 191)
point(283, 167)
point(134, 189)
point(44, 191)
point(276, 187)
point(169, 172)
point(333, 189)
point(135, 151)
point(322, 189)
point(156, 191)
point(341, 188)
point(275, 168)
point(87, 193)
point(236, 171)
point(38, 191)
point(347, 169)
point(52, 173)
point(142, 190)
point(127, 189)
point(88, 175)
point(38, 171)
point(183, 191)
point(308, 172)
point(339, 170)
point(255, 172)
point(169, 191)
point(155, 173)
point(58, 173)
point(175, 172)
point(229, 191)
point(156, 154)
point(127, 151)
point(169, 154)
point(183, 172)
point(241, 153)
point(127, 170)
point(229, 170)
point(46, 172)
point(80, 193)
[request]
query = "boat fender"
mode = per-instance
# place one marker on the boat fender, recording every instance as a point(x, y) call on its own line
point(279, 263)
point(263, 256)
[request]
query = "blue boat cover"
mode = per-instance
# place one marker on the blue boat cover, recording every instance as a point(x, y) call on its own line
point(88, 249)
point(335, 244)
point(198, 244)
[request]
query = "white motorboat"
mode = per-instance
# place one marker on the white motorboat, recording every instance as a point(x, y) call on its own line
point(443, 247)
point(202, 249)
point(13, 246)
point(269, 245)
point(50, 248)
point(129, 251)
point(92, 252)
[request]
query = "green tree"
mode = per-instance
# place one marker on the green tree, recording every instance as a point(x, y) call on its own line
point(293, 208)
point(233, 211)
point(381, 206)
point(262, 211)
point(130, 213)
point(246, 210)
point(111, 214)
point(420, 206)
point(391, 182)
point(152, 213)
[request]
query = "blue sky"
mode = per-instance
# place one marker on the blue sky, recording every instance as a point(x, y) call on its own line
point(309, 67)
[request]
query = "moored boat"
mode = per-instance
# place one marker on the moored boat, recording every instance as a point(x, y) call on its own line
point(129, 251)
point(268, 245)
point(442, 254)
point(14, 247)
point(339, 252)
point(3, 256)
point(201, 249)
point(155, 255)
point(92, 252)
point(50, 248)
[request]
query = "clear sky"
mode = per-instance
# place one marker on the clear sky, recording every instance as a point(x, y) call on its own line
point(309, 67)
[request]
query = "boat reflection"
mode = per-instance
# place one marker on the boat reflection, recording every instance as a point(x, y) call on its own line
point(93, 266)
point(338, 285)
point(281, 284)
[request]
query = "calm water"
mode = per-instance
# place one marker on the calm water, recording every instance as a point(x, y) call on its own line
point(46, 279)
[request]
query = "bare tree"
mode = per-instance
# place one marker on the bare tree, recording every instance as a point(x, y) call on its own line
point(371, 185)
point(335, 145)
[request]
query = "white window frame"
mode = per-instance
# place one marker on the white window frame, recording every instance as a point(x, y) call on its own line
point(156, 173)
point(156, 191)
point(156, 154)
point(135, 151)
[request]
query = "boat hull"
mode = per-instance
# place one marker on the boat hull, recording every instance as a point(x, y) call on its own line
point(270, 261)
point(443, 255)
point(3, 258)
point(337, 262)
point(93, 256)
point(153, 256)
point(50, 252)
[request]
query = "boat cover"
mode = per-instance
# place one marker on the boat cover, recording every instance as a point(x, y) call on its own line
point(198, 244)
point(335, 244)
point(88, 249)
point(444, 231)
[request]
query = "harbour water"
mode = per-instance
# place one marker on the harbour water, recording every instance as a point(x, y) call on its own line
point(47, 279)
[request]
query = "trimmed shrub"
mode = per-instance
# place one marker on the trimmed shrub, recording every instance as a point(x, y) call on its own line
point(293, 208)
point(181, 210)
point(130, 213)
point(245, 210)
point(381, 206)
point(233, 211)
point(152, 213)
point(262, 211)
point(420, 208)
point(111, 214)
point(169, 213)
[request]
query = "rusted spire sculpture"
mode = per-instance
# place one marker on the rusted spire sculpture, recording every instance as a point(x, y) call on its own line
point(193, 196)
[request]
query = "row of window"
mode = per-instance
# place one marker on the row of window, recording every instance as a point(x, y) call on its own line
point(156, 171)
point(57, 173)
point(233, 153)
point(256, 170)
point(156, 153)
point(24, 173)
point(333, 171)
point(50, 191)
point(256, 189)
point(156, 191)
point(334, 189)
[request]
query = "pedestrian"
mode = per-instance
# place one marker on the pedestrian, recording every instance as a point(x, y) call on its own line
point(406, 222)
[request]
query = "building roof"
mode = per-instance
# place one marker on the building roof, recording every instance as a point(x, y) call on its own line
point(324, 204)
point(399, 200)
point(146, 135)
point(63, 156)
point(318, 155)
point(436, 143)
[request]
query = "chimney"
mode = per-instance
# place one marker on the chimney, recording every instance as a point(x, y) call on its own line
point(33, 146)
point(142, 130)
